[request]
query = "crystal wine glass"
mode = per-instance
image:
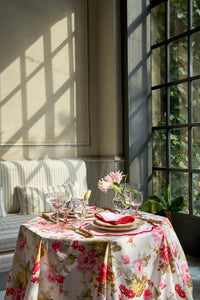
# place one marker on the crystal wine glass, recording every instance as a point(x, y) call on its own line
point(56, 201)
point(67, 207)
point(80, 210)
point(137, 201)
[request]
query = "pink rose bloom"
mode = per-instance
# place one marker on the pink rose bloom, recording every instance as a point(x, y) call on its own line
point(173, 243)
point(103, 185)
point(165, 253)
point(185, 273)
point(126, 259)
point(102, 272)
point(117, 176)
point(19, 293)
point(148, 294)
point(157, 235)
point(21, 242)
point(57, 246)
point(138, 266)
point(87, 262)
point(163, 283)
point(50, 274)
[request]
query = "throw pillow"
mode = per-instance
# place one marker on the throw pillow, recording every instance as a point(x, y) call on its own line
point(32, 200)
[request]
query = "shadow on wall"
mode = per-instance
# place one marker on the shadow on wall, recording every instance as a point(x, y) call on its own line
point(139, 88)
point(43, 73)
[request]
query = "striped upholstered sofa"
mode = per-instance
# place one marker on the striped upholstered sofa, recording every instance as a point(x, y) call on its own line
point(31, 177)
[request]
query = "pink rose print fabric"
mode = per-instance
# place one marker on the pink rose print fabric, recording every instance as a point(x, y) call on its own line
point(62, 265)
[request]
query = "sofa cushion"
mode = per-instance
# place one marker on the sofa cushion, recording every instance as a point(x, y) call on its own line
point(9, 229)
point(44, 172)
point(32, 199)
point(2, 209)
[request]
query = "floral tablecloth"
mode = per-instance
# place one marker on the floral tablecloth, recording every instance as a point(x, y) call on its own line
point(147, 263)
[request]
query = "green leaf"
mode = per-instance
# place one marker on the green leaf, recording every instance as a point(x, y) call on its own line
point(178, 204)
point(152, 206)
point(117, 184)
point(159, 199)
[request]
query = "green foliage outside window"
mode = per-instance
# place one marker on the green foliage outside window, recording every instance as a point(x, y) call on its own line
point(178, 137)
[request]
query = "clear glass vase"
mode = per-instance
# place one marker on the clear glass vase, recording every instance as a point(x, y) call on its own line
point(121, 202)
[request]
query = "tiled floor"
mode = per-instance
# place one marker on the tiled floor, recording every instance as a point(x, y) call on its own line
point(194, 266)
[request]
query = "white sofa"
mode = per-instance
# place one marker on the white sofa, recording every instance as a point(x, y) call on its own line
point(30, 173)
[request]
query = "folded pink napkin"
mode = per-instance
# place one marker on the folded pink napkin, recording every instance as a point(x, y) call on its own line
point(115, 219)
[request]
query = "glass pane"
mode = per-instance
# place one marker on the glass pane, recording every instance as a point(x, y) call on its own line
point(179, 187)
point(179, 104)
point(196, 194)
point(195, 53)
point(159, 148)
point(159, 107)
point(178, 17)
point(196, 13)
point(178, 59)
point(158, 66)
point(179, 148)
point(196, 148)
point(158, 23)
point(159, 182)
point(196, 101)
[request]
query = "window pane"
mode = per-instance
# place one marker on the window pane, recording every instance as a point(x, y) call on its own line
point(158, 66)
point(196, 148)
point(179, 148)
point(178, 59)
point(195, 53)
point(196, 101)
point(196, 194)
point(159, 182)
point(179, 104)
point(178, 17)
point(159, 148)
point(159, 107)
point(179, 187)
point(196, 13)
point(158, 23)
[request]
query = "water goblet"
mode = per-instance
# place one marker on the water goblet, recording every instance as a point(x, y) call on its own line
point(56, 201)
point(67, 207)
point(137, 201)
point(80, 210)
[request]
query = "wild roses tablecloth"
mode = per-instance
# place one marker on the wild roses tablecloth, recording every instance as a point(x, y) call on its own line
point(148, 264)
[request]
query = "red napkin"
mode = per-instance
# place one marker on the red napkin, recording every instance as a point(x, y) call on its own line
point(115, 219)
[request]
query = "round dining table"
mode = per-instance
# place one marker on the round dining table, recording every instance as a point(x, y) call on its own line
point(145, 262)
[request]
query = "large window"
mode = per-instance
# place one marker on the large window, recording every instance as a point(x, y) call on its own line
point(175, 36)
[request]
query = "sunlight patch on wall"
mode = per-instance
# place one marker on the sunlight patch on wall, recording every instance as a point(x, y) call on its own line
point(59, 33)
point(35, 94)
point(11, 117)
point(10, 78)
point(34, 56)
point(61, 68)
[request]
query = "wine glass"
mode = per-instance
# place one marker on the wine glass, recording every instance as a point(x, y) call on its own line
point(80, 210)
point(56, 201)
point(137, 201)
point(67, 207)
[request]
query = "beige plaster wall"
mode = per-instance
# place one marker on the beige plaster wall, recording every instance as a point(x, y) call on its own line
point(58, 65)
point(60, 87)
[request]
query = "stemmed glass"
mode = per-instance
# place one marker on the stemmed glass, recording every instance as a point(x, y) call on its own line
point(67, 207)
point(137, 201)
point(80, 210)
point(56, 201)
